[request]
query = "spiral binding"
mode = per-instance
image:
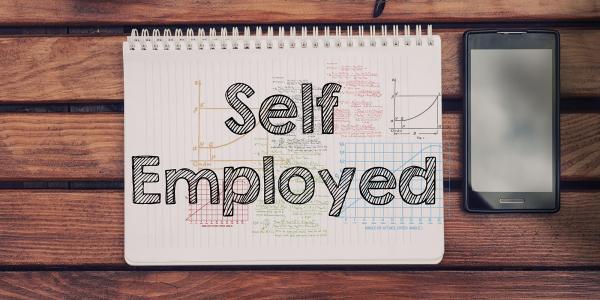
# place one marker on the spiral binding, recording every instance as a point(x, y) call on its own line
point(234, 38)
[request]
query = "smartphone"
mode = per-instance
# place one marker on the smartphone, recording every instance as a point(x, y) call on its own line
point(511, 132)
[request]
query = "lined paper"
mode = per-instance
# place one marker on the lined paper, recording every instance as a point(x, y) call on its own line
point(389, 115)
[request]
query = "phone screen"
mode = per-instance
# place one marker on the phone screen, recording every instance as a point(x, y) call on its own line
point(511, 120)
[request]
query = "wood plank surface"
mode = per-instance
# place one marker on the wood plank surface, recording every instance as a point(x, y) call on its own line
point(61, 69)
point(61, 146)
point(85, 228)
point(84, 69)
point(89, 146)
point(78, 12)
point(307, 284)
point(580, 146)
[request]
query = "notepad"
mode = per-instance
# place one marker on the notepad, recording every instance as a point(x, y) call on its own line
point(289, 145)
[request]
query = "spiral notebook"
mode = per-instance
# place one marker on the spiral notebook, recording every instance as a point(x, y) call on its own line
point(307, 145)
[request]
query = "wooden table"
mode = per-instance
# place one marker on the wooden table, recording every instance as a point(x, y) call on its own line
point(61, 158)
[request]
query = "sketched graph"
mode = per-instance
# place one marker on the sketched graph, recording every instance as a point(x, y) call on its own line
point(211, 215)
point(214, 150)
point(206, 151)
point(415, 113)
point(396, 157)
point(210, 147)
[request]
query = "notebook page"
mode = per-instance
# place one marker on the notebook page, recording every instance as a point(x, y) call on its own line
point(388, 115)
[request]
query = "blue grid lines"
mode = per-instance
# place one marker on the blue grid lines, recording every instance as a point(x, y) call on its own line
point(395, 157)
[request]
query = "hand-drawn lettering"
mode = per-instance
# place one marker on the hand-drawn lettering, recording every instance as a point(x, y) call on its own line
point(307, 108)
point(269, 178)
point(230, 196)
point(280, 106)
point(368, 182)
point(338, 191)
point(277, 107)
point(376, 178)
point(248, 118)
point(328, 102)
point(192, 179)
point(269, 110)
point(284, 185)
point(140, 177)
point(428, 194)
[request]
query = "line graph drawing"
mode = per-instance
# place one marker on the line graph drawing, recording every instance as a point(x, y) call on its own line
point(398, 156)
point(415, 113)
point(215, 150)
point(206, 147)
point(206, 156)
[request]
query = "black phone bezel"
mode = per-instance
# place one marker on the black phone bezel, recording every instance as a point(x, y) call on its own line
point(479, 201)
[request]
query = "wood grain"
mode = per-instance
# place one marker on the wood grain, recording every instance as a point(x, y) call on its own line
point(78, 12)
point(40, 227)
point(84, 69)
point(89, 146)
point(305, 285)
point(47, 227)
point(61, 146)
point(583, 61)
point(84, 228)
point(580, 145)
point(41, 69)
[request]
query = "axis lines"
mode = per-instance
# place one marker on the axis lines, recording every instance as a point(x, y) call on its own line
point(414, 113)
